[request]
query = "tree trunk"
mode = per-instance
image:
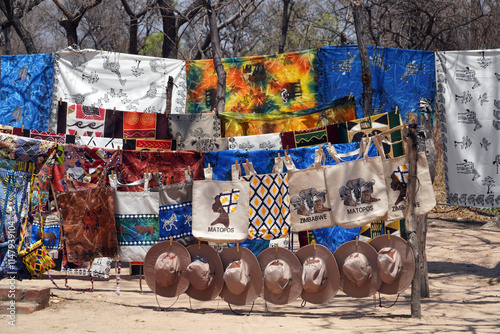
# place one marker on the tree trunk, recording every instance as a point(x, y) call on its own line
point(365, 61)
point(22, 32)
point(217, 53)
point(132, 43)
point(170, 38)
point(287, 11)
point(71, 32)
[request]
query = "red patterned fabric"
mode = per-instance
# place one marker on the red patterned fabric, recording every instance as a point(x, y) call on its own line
point(171, 164)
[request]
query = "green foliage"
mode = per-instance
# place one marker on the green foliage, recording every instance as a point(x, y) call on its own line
point(153, 45)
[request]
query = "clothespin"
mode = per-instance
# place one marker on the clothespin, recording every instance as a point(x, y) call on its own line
point(22, 127)
point(189, 171)
point(60, 100)
point(277, 247)
point(114, 110)
point(118, 149)
point(157, 173)
point(356, 240)
point(314, 244)
point(396, 110)
point(101, 50)
point(199, 244)
point(350, 96)
point(238, 247)
point(246, 161)
point(171, 240)
point(388, 236)
point(124, 140)
point(286, 152)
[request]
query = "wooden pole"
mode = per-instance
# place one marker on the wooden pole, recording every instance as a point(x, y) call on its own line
point(430, 152)
point(410, 221)
point(365, 61)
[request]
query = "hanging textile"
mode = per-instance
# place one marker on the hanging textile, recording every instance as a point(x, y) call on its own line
point(354, 130)
point(468, 102)
point(311, 137)
point(112, 143)
point(111, 123)
point(117, 80)
point(257, 84)
point(171, 164)
point(263, 161)
point(400, 77)
point(149, 144)
point(268, 141)
point(25, 90)
point(240, 124)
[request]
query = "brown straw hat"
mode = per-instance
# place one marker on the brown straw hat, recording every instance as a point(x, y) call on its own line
point(396, 263)
point(320, 274)
point(165, 267)
point(357, 263)
point(242, 276)
point(205, 273)
point(281, 270)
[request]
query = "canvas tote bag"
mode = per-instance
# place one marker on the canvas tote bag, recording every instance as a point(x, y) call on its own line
point(396, 173)
point(309, 197)
point(136, 218)
point(269, 202)
point(357, 188)
point(221, 208)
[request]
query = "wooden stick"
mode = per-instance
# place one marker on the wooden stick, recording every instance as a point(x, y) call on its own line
point(410, 221)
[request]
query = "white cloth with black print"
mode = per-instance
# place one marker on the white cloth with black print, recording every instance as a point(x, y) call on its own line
point(468, 101)
point(268, 141)
point(117, 80)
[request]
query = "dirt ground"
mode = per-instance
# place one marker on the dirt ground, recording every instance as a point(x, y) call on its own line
point(464, 272)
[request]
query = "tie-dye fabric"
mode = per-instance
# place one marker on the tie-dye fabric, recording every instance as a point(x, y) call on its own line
point(400, 77)
point(25, 90)
point(117, 80)
point(240, 124)
point(257, 84)
point(469, 109)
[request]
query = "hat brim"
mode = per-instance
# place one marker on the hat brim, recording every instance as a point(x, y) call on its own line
point(406, 276)
point(149, 268)
point(212, 291)
point(332, 284)
point(349, 288)
point(254, 286)
point(293, 290)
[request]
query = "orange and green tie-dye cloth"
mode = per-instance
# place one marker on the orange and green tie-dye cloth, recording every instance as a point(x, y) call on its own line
point(239, 124)
point(258, 84)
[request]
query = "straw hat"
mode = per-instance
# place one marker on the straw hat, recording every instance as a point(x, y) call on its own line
point(320, 274)
point(396, 263)
point(204, 272)
point(242, 276)
point(281, 271)
point(165, 267)
point(357, 263)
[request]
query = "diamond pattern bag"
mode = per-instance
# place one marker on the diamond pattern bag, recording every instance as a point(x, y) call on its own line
point(269, 202)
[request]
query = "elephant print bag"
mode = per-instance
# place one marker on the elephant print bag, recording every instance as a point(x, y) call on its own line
point(136, 217)
point(221, 208)
point(309, 199)
point(357, 188)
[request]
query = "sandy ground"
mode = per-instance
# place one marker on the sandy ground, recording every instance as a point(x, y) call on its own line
point(464, 267)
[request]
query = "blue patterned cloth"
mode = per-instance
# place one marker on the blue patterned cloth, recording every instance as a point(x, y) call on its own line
point(333, 237)
point(400, 77)
point(26, 90)
point(263, 161)
point(256, 246)
point(175, 220)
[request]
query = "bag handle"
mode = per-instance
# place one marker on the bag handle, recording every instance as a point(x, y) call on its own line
point(249, 170)
point(235, 171)
point(113, 181)
point(361, 152)
point(290, 165)
point(278, 165)
point(383, 137)
point(208, 173)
